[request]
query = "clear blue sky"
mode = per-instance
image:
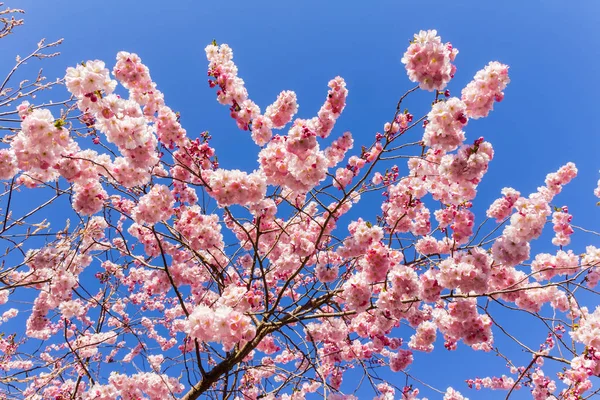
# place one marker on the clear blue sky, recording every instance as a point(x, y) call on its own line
point(548, 116)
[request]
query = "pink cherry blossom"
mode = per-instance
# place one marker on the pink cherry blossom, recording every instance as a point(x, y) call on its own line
point(429, 61)
point(486, 87)
point(446, 120)
point(155, 206)
point(502, 207)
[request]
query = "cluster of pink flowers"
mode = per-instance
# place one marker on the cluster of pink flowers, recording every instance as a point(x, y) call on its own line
point(526, 295)
point(8, 164)
point(295, 160)
point(424, 337)
point(400, 124)
point(46, 387)
point(508, 252)
point(544, 387)
point(72, 309)
point(8, 314)
point(531, 214)
point(404, 283)
point(452, 394)
point(470, 163)
point(486, 87)
point(135, 76)
point(444, 125)
point(201, 231)
point(135, 386)
point(233, 92)
point(530, 218)
point(332, 331)
point(503, 383)
point(546, 266)
point(331, 110)
point(56, 269)
point(282, 167)
point(302, 137)
point(363, 237)
point(588, 331)
point(280, 113)
point(336, 152)
point(223, 325)
point(343, 176)
point(229, 187)
point(591, 258)
point(467, 270)
point(87, 344)
point(168, 128)
point(386, 390)
point(430, 289)
point(400, 360)
point(301, 140)
point(237, 296)
point(124, 123)
point(501, 208)
point(89, 197)
point(327, 266)
point(404, 211)
point(155, 206)
point(428, 245)
point(89, 78)
point(429, 61)
point(577, 378)
point(426, 176)
point(356, 293)
point(378, 260)
point(190, 163)
point(562, 227)
point(82, 166)
point(460, 219)
point(39, 145)
point(134, 138)
point(461, 321)
point(268, 345)
point(556, 180)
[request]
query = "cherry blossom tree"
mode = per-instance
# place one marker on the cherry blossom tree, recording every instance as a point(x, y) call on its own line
point(135, 266)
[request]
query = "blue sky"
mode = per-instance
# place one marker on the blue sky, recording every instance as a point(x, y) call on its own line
point(548, 116)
